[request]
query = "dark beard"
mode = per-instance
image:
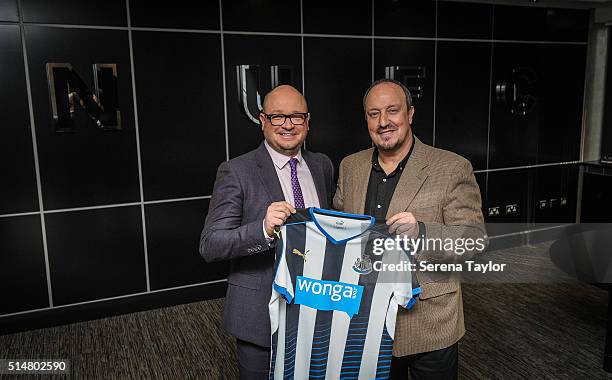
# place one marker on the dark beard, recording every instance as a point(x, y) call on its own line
point(395, 147)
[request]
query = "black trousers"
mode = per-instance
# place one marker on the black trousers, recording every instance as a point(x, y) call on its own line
point(434, 365)
point(253, 360)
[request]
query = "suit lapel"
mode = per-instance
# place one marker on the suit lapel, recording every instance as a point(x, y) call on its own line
point(268, 175)
point(318, 177)
point(411, 180)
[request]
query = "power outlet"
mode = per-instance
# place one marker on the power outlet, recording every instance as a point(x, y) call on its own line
point(554, 202)
point(543, 204)
point(512, 209)
point(494, 211)
point(563, 201)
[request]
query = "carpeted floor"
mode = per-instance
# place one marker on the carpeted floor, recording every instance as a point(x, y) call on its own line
point(540, 331)
point(180, 342)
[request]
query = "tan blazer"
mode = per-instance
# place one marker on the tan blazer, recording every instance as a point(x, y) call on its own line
point(439, 188)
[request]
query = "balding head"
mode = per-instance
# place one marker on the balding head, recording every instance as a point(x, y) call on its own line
point(284, 120)
point(284, 95)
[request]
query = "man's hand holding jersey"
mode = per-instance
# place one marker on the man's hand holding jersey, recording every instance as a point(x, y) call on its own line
point(276, 215)
point(404, 224)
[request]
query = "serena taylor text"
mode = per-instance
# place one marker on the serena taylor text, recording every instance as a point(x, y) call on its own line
point(424, 266)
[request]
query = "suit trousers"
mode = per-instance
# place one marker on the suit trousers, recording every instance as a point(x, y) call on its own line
point(253, 360)
point(434, 365)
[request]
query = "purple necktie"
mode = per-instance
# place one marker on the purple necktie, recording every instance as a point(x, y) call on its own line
point(298, 199)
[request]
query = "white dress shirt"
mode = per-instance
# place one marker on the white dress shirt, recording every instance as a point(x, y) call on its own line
point(283, 171)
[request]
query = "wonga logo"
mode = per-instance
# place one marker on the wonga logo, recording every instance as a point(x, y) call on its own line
point(328, 295)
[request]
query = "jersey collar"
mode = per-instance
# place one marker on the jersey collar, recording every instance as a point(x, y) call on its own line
point(316, 210)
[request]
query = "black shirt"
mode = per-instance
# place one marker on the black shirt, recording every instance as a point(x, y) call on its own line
point(381, 186)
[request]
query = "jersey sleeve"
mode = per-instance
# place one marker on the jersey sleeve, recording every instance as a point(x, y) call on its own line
point(282, 285)
point(406, 288)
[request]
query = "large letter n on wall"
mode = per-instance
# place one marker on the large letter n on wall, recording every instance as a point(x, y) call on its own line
point(68, 93)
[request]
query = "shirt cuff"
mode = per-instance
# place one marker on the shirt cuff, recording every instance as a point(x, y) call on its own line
point(263, 228)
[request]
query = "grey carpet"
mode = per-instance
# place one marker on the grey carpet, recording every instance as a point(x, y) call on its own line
point(514, 331)
point(547, 331)
point(181, 342)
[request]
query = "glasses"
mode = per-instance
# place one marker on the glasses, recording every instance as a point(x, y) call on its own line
point(278, 119)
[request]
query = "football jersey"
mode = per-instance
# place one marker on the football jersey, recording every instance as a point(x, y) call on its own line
point(334, 299)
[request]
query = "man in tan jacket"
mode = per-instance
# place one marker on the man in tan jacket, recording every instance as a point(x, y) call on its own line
point(422, 192)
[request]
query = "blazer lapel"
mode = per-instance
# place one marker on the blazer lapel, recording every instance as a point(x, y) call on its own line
point(268, 175)
point(410, 181)
point(318, 177)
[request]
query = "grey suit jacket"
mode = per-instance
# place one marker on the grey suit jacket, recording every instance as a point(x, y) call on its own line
point(244, 188)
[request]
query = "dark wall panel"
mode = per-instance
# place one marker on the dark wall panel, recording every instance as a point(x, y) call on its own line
point(407, 18)
point(173, 235)
point(8, 10)
point(606, 133)
point(462, 99)
point(23, 279)
point(540, 24)
point(410, 55)
point(348, 17)
point(596, 199)
point(561, 88)
point(183, 14)
point(513, 135)
point(95, 254)
point(263, 52)
point(262, 15)
point(505, 188)
point(90, 166)
point(335, 90)
point(549, 80)
point(464, 20)
point(19, 193)
point(180, 109)
point(92, 12)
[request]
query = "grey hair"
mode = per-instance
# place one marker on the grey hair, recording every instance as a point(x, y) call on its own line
point(387, 80)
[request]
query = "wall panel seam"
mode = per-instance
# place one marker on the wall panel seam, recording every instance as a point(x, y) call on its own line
point(138, 152)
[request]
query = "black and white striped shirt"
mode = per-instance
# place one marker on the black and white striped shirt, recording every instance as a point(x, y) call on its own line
point(334, 299)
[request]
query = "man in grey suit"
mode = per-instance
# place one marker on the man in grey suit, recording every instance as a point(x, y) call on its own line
point(253, 193)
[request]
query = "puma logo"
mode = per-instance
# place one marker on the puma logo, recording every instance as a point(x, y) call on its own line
point(297, 252)
point(277, 232)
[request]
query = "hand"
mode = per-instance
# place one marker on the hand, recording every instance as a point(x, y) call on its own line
point(277, 214)
point(403, 223)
